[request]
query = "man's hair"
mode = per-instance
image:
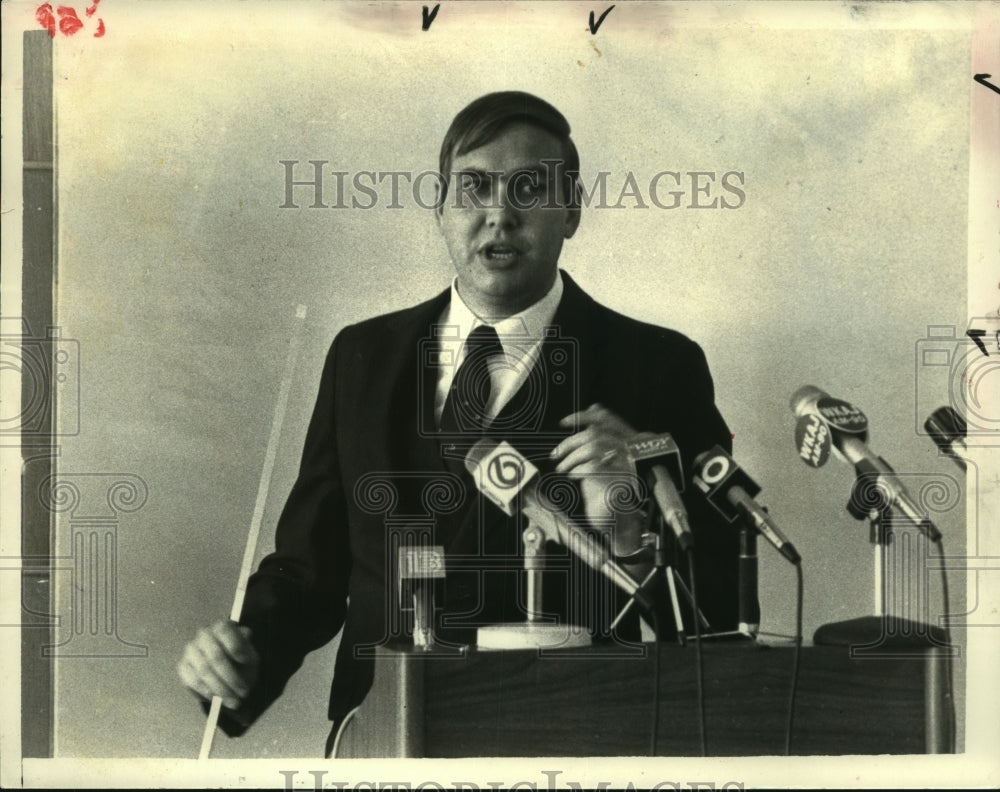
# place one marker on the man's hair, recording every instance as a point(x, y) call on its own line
point(484, 119)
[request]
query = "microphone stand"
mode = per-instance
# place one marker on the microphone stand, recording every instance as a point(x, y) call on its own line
point(883, 632)
point(535, 632)
point(749, 606)
point(889, 635)
point(420, 568)
point(662, 566)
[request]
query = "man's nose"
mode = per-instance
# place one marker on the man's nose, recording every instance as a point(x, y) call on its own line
point(502, 211)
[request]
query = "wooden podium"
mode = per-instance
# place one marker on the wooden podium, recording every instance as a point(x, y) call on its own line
point(597, 702)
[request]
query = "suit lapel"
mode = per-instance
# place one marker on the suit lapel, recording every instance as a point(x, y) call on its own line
point(403, 432)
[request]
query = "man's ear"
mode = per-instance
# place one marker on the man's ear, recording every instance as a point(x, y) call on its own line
point(439, 199)
point(572, 222)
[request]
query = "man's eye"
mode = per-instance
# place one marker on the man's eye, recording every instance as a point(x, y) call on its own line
point(528, 188)
point(470, 181)
point(477, 184)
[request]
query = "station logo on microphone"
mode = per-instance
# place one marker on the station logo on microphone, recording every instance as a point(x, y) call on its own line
point(812, 438)
point(842, 415)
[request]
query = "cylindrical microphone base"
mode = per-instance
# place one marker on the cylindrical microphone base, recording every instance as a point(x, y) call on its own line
point(531, 635)
point(887, 637)
point(874, 635)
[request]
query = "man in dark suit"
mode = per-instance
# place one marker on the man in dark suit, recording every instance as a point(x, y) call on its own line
point(565, 380)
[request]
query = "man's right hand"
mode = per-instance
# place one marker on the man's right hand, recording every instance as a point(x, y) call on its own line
point(220, 661)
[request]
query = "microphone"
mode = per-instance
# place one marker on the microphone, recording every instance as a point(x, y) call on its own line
point(948, 431)
point(657, 460)
point(731, 491)
point(847, 428)
point(503, 475)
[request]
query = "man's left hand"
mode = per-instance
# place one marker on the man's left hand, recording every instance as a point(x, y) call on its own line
point(597, 456)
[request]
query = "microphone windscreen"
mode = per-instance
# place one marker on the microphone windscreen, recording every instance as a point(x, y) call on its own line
point(804, 396)
point(482, 449)
point(645, 452)
point(945, 424)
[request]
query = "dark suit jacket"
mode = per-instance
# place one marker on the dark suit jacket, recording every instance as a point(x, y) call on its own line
point(373, 475)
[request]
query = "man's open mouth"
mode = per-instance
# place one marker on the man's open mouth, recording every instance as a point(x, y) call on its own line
point(498, 251)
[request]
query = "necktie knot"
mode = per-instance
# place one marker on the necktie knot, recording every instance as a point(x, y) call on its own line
point(483, 341)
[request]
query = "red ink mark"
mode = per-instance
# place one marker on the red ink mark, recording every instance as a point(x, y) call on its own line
point(732, 436)
point(46, 19)
point(69, 22)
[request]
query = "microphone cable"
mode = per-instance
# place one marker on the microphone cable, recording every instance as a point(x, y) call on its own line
point(699, 660)
point(656, 684)
point(654, 616)
point(796, 658)
point(699, 669)
point(948, 681)
point(654, 524)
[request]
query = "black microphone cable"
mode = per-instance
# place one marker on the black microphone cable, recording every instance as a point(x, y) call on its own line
point(656, 685)
point(651, 525)
point(947, 428)
point(699, 670)
point(699, 660)
point(948, 681)
point(796, 658)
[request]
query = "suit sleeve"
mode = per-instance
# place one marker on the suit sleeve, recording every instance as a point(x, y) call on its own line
point(716, 547)
point(296, 600)
point(679, 398)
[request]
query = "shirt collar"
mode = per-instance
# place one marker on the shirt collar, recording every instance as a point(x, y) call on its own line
point(529, 323)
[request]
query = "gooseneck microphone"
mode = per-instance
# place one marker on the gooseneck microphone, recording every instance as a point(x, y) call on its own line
point(825, 422)
point(731, 491)
point(657, 460)
point(506, 477)
point(948, 431)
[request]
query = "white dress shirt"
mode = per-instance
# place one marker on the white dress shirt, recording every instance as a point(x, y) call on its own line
point(520, 336)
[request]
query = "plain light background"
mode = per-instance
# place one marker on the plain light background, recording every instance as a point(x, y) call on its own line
point(179, 275)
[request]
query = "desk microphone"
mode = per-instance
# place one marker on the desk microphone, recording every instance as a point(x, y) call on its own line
point(731, 491)
point(948, 431)
point(845, 428)
point(657, 460)
point(504, 476)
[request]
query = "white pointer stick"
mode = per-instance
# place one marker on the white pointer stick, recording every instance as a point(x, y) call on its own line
point(258, 511)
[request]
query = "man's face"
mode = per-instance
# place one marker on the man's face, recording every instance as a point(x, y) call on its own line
point(505, 218)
